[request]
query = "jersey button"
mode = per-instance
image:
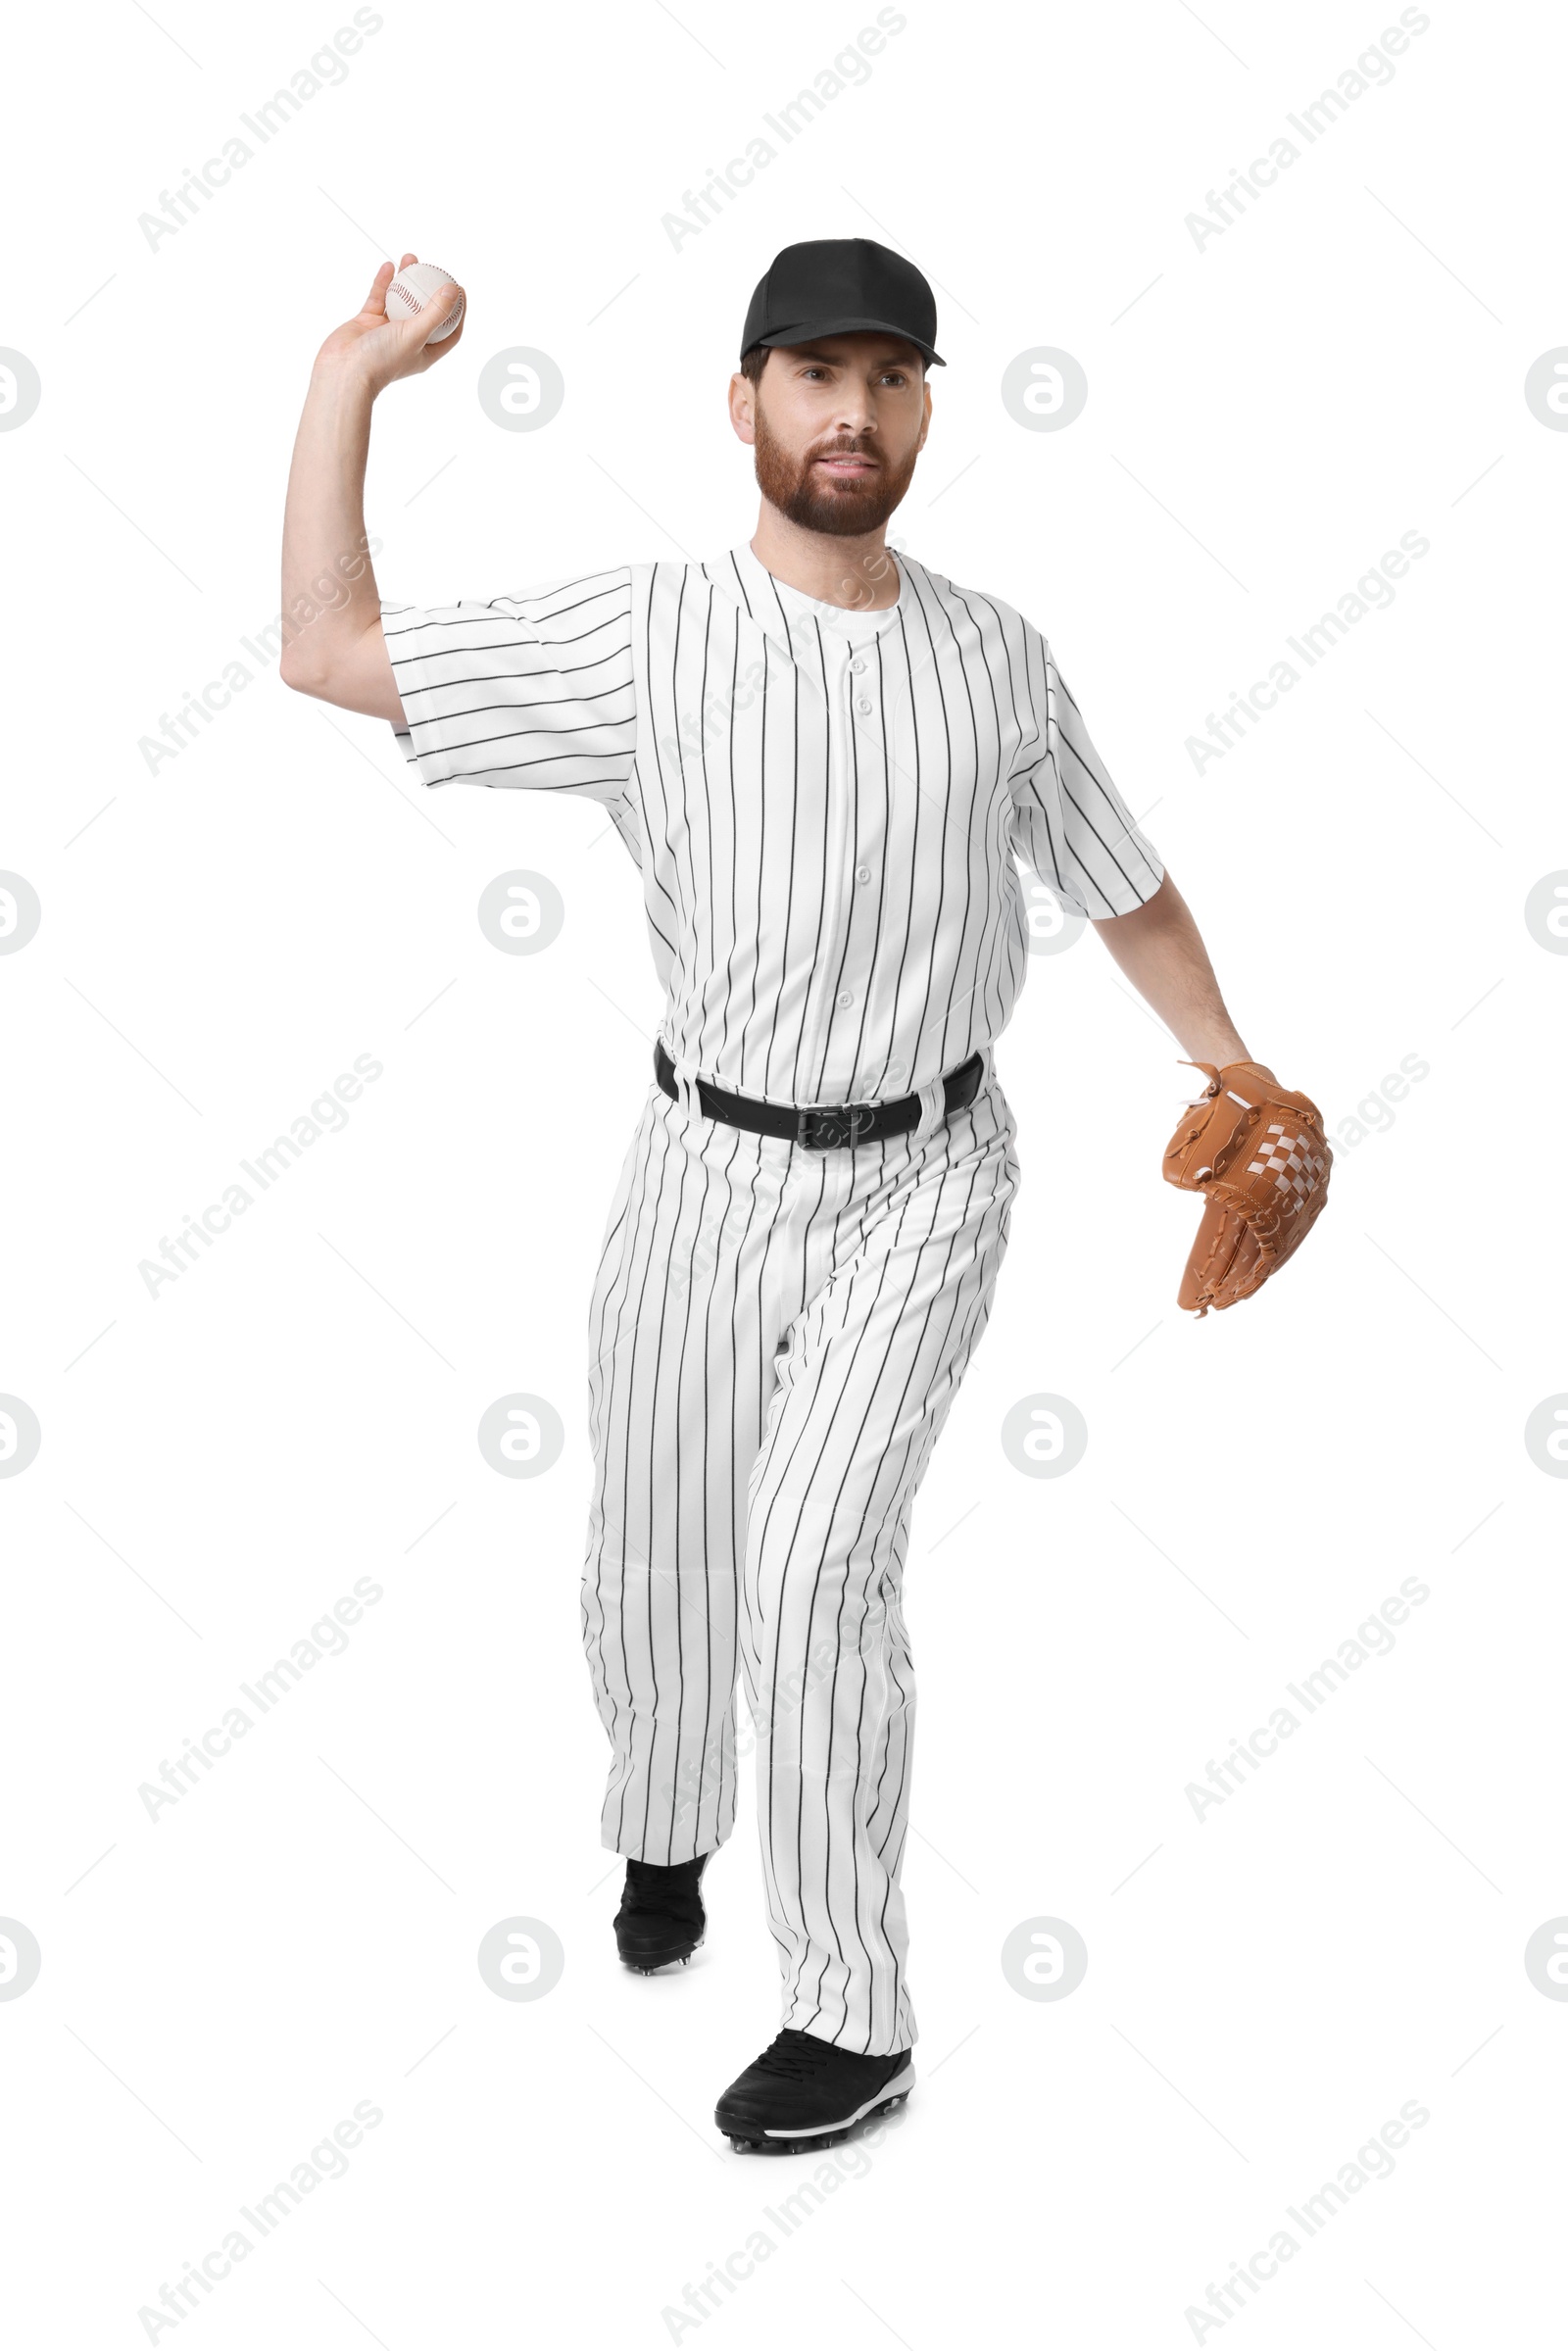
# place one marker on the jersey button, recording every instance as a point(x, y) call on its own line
point(846, 998)
point(862, 873)
point(864, 707)
point(857, 666)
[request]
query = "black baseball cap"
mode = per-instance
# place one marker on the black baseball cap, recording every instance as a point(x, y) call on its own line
point(838, 287)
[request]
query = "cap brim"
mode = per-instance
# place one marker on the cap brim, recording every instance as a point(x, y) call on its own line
point(848, 326)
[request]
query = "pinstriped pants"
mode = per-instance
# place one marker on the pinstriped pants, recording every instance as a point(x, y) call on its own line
point(776, 1335)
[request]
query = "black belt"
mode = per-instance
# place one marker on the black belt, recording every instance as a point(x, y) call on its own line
point(822, 1126)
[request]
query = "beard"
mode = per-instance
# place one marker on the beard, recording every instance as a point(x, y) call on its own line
point(845, 510)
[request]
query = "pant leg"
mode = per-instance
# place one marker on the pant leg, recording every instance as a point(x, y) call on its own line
point(873, 1363)
point(682, 1328)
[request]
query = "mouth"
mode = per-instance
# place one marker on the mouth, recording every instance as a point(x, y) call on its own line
point(850, 468)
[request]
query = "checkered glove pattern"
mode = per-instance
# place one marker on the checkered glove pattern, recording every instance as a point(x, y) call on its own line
point(1260, 1159)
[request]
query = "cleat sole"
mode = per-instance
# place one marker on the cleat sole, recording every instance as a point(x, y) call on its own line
point(651, 1963)
point(766, 2143)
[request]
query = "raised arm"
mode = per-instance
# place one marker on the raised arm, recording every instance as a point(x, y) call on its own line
point(331, 606)
point(1158, 947)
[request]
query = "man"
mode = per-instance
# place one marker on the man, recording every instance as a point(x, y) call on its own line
point(821, 758)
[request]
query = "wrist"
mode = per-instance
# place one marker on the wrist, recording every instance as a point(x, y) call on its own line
point(1221, 1047)
point(343, 377)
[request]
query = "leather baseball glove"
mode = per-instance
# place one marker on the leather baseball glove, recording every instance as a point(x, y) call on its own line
point(1260, 1159)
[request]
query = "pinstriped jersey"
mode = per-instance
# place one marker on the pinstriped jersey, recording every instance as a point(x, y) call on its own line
point(827, 808)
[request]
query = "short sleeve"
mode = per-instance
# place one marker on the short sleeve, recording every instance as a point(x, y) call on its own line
point(533, 691)
point(1071, 824)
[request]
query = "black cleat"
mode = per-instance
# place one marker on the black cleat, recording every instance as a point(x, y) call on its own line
point(802, 2094)
point(660, 1918)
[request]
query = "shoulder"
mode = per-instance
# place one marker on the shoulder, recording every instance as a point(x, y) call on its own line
point(572, 604)
point(982, 605)
point(675, 587)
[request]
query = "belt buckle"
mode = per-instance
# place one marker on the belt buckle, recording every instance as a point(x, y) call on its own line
point(827, 1126)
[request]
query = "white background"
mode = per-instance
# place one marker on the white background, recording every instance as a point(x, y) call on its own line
point(1267, 414)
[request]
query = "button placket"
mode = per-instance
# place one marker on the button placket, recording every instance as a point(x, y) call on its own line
point(845, 997)
point(843, 846)
point(856, 700)
point(863, 706)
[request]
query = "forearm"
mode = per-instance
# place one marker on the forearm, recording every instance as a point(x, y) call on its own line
point(330, 596)
point(1159, 949)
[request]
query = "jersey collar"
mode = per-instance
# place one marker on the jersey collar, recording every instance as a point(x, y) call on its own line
point(754, 588)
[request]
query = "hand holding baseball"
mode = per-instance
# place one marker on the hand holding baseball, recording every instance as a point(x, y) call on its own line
point(422, 323)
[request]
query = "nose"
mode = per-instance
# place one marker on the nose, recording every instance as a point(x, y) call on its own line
point(855, 417)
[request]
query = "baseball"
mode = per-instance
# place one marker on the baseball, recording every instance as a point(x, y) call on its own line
point(414, 288)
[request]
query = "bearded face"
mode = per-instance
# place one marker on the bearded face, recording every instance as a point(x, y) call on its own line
point(823, 472)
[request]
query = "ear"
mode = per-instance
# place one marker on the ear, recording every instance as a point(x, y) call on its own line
point(743, 408)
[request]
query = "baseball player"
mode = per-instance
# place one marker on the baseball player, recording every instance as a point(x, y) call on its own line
point(826, 763)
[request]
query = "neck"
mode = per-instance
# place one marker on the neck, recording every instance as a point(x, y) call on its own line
point(856, 572)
